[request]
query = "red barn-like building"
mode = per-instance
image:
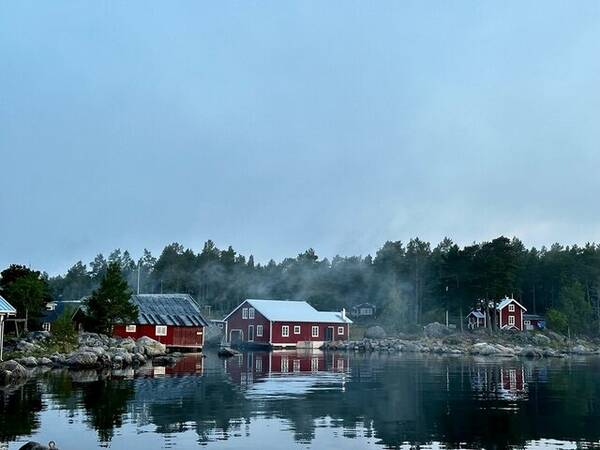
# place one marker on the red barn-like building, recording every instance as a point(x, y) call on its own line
point(284, 323)
point(172, 319)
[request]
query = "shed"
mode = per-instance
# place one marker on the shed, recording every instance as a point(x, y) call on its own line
point(55, 309)
point(6, 310)
point(172, 319)
point(364, 310)
point(534, 322)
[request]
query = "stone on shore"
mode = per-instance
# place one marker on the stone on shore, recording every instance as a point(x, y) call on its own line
point(82, 360)
point(150, 347)
point(436, 330)
point(375, 332)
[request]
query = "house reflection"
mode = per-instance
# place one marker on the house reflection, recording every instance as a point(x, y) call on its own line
point(504, 382)
point(251, 367)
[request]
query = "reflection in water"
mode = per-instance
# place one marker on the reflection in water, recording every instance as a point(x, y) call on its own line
point(385, 400)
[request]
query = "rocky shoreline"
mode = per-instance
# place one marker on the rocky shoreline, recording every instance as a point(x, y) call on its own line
point(93, 351)
point(438, 339)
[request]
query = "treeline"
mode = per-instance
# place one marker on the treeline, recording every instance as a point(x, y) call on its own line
point(411, 284)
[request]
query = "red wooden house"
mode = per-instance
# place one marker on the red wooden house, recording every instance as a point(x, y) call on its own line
point(284, 323)
point(509, 316)
point(173, 319)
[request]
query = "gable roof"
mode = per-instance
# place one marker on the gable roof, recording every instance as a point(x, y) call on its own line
point(6, 308)
point(168, 309)
point(506, 301)
point(477, 314)
point(59, 308)
point(292, 311)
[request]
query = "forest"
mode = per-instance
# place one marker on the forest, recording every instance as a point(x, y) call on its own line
point(411, 283)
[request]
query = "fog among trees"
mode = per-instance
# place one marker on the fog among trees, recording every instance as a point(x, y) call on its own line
point(411, 283)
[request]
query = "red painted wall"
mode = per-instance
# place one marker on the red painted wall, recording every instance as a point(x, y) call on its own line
point(518, 314)
point(235, 322)
point(176, 336)
point(306, 332)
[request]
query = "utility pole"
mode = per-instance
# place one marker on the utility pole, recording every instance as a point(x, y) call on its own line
point(138, 277)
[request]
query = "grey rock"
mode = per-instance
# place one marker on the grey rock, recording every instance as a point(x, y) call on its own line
point(531, 352)
point(17, 371)
point(151, 347)
point(27, 347)
point(44, 361)
point(483, 348)
point(28, 361)
point(375, 332)
point(81, 360)
point(540, 339)
point(436, 330)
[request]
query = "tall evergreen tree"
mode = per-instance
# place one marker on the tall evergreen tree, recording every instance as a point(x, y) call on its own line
point(111, 302)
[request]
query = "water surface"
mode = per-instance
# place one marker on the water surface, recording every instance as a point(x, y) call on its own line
point(312, 400)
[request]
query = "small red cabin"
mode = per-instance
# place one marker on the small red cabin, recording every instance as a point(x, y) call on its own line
point(284, 323)
point(172, 319)
point(510, 315)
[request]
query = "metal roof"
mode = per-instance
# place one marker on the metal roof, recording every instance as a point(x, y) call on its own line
point(294, 311)
point(506, 301)
point(477, 314)
point(168, 309)
point(51, 315)
point(6, 308)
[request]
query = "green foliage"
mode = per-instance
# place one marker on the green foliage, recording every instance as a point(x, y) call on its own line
point(63, 329)
point(26, 289)
point(557, 321)
point(110, 303)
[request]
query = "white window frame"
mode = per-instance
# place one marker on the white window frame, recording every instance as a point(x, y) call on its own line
point(511, 320)
point(297, 329)
point(314, 332)
point(130, 328)
point(511, 307)
point(250, 313)
point(285, 331)
point(245, 313)
point(341, 331)
point(46, 326)
point(160, 330)
point(259, 330)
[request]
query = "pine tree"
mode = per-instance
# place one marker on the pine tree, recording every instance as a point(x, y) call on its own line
point(110, 303)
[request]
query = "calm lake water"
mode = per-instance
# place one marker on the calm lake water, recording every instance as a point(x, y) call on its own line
point(313, 400)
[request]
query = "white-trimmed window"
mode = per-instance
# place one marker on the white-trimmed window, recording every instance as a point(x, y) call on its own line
point(511, 307)
point(161, 330)
point(130, 329)
point(296, 365)
point(296, 329)
point(285, 330)
point(259, 330)
point(315, 331)
point(511, 320)
point(341, 331)
point(244, 313)
point(251, 313)
point(46, 326)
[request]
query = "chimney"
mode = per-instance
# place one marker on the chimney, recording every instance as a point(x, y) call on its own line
point(343, 313)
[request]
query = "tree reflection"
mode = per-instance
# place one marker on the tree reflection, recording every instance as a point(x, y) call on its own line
point(19, 410)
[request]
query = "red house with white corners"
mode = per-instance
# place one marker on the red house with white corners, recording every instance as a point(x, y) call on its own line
point(510, 316)
point(284, 323)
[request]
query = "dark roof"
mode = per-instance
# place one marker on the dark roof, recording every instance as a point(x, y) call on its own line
point(533, 317)
point(59, 308)
point(168, 309)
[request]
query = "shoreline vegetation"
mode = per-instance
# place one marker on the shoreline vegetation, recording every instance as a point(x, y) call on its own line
point(93, 351)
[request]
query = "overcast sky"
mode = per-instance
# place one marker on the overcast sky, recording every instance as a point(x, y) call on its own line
point(278, 126)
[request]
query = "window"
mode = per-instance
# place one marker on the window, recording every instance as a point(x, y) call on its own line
point(244, 313)
point(161, 330)
point(285, 331)
point(251, 313)
point(341, 331)
point(130, 329)
point(296, 329)
point(259, 364)
point(315, 331)
point(285, 365)
point(296, 365)
point(259, 330)
point(46, 326)
point(511, 320)
point(511, 308)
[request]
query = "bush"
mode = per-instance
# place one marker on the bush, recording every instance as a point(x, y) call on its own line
point(63, 329)
point(557, 321)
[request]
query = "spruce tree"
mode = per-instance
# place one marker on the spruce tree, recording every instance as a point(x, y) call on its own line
point(111, 302)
